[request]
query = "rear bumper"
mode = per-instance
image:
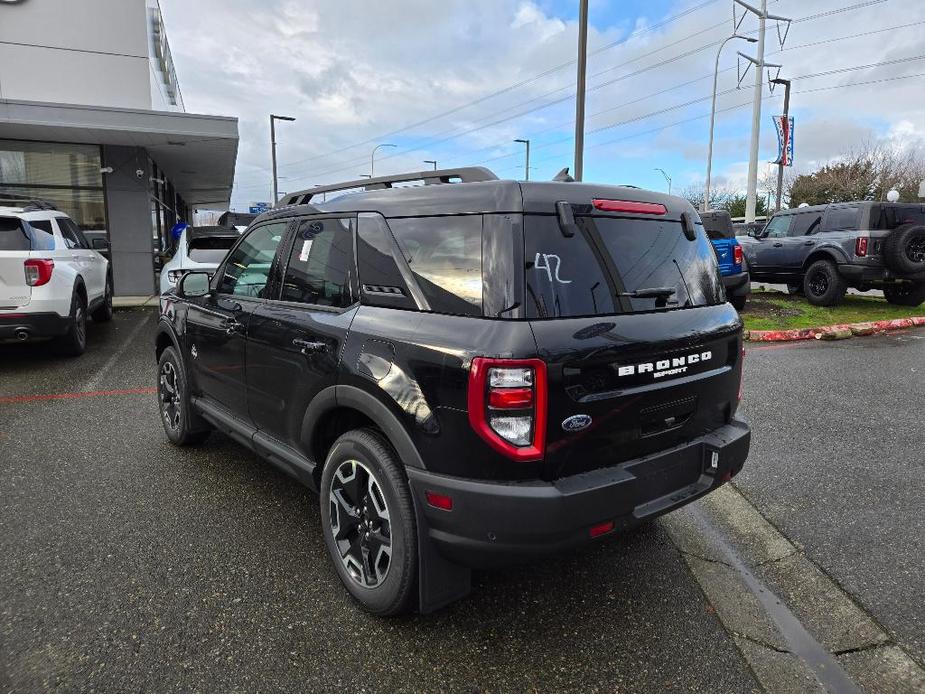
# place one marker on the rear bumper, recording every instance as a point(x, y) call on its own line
point(497, 523)
point(875, 273)
point(32, 325)
point(737, 284)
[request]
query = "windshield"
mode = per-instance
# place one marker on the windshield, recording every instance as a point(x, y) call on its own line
point(209, 249)
point(616, 265)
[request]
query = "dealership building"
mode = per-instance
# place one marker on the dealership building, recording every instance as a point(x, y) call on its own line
point(92, 120)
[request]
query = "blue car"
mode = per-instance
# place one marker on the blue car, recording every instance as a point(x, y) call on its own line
point(729, 255)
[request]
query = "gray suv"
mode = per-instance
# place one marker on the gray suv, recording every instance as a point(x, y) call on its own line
point(823, 250)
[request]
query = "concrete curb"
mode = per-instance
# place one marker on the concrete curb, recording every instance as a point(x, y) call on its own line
point(834, 332)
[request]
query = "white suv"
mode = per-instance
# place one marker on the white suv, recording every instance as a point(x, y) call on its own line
point(50, 277)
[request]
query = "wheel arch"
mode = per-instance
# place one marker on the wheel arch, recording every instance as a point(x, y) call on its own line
point(837, 256)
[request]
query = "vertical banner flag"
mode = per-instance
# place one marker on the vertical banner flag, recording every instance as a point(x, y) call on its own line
point(784, 140)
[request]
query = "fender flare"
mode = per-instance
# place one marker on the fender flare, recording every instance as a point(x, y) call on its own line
point(367, 404)
point(833, 253)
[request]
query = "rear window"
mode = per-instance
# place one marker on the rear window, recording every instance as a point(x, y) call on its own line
point(884, 217)
point(13, 235)
point(596, 271)
point(209, 249)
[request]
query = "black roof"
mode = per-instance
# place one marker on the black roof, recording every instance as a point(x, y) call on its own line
point(856, 203)
point(483, 195)
point(235, 219)
point(210, 231)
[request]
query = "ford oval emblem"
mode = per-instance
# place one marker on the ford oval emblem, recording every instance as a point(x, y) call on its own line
point(577, 422)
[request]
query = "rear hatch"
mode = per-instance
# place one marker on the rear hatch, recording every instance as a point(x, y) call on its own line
point(642, 351)
point(15, 247)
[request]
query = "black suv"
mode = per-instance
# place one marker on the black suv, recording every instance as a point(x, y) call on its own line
point(470, 372)
point(824, 249)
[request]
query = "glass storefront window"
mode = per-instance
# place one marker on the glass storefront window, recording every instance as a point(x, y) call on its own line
point(66, 175)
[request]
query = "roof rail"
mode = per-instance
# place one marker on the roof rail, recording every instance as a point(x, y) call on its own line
point(24, 202)
point(470, 174)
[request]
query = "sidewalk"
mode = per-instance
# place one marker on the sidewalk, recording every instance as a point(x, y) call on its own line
point(135, 301)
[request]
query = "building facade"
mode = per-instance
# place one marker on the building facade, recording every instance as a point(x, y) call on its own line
point(92, 119)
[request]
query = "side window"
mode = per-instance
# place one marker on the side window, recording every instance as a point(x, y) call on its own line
point(778, 227)
point(320, 263)
point(43, 237)
point(68, 232)
point(445, 256)
point(381, 281)
point(805, 224)
point(842, 219)
point(247, 269)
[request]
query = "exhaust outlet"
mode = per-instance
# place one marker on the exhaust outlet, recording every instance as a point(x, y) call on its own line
point(22, 334)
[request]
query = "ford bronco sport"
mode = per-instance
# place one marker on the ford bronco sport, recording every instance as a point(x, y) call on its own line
point(470, 372)
point(824, 249)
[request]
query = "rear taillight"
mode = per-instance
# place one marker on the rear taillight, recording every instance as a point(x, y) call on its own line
point(507, 405)
point(38, 271)
point(860, 246)
point(737, 254)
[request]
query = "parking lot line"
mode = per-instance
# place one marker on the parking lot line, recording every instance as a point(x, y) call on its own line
point(15, 399)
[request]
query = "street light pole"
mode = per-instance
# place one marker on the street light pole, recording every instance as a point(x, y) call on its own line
point(780, 166)
point(431, 161)
point(580, 92)
point(372, 159)
point(706, 189)
point(273, 119)
point(527, 162)
point(667, 178)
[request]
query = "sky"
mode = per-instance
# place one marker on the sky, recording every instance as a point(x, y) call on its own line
point(459, 80)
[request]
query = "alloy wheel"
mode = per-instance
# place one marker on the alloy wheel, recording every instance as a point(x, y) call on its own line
point(915, 250)
point(80, 324)
point(169, 391)
point(360, 523)
point(818, 283)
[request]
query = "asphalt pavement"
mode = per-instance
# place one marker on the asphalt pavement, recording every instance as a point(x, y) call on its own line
point(131, 565)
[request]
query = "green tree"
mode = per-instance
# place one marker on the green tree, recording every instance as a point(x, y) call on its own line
point(735, 204)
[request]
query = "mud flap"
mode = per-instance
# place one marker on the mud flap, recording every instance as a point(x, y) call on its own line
point(440, 581)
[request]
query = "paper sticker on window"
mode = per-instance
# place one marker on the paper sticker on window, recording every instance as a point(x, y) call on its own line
point(306, 249)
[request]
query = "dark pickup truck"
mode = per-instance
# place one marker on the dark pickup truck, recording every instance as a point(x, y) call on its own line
point(824, 249)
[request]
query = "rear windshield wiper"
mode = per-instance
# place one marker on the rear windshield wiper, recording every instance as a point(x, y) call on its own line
point(650, 293)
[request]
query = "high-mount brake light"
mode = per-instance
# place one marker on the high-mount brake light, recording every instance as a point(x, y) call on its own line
point(860, 246)
point(507, 405)
point(38, 271)
point(737, 254)
point(630, 206)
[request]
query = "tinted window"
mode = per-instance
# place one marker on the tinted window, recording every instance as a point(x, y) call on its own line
point(595, 271)
point(892, 216)
point(778, 226)
point(319, 265)
point(43, 238)
point(69, 232)
point(445, 256)
point(13, 236)
point(381, 281)
point(841, 218)
point(209, 249)
point(804, 224)
point(247, 270)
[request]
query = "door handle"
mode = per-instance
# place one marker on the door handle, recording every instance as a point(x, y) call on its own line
point(778, 244)
point(307, 347)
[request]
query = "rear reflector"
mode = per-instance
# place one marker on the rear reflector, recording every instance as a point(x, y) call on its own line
point(601, 529)
point(510, 398)
point(441, 501)
point(630, 206)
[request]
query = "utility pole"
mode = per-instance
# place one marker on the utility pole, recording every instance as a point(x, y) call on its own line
point(431, 161)
point(780, 166)
point(667, 178)
point(527, 163)
point(580, 93)
point(706, 188)
point(372, 159)
point(763, 17)
point(273, 119)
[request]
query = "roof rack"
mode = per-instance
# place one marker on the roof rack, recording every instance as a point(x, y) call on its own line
point(471, 174)
point(24, 202)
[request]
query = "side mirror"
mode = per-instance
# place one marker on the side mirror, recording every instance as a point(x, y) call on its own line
point(99, 244)
point(193, 285)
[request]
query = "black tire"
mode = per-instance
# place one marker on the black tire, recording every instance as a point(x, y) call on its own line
point(352, 508)
point(795, 289)
point(904, 249)
point(74, 342)
point(103, 313)
point(905, 293)
point(738, 302)
point(182, 426)
point(822, 284)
